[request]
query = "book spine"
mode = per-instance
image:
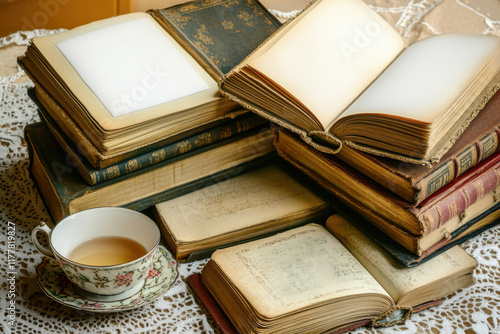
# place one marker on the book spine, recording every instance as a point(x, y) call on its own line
point(459, 200)
point(458, 165)
point(173, 150)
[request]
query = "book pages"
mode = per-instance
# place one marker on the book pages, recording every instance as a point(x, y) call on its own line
point(407, 286)
point(412, 87)
point(330, 56)
point(131, 66)
point(295, 269)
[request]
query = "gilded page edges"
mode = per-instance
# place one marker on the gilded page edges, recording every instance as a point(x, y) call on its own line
point(476, 107)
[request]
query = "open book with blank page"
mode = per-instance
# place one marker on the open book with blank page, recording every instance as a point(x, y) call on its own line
point(338, 74)
point(313, 280)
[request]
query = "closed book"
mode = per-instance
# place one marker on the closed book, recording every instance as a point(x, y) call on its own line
point(339, 75)
point(414, 183)
point(469, 228)
point(313, 279)
point(147, 85)
point(91, 175)
point(65, 193)
point(416, 228)
point(258, 203)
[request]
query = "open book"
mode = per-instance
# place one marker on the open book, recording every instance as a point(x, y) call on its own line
point(136, 79)
point(308, 280)
point(339, 74)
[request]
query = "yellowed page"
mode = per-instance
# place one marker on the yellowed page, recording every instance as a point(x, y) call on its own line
point(149, 79)
point(294, 269)
point(398, 280)
point(430, 76)
point(330, 56)
point(254, 198)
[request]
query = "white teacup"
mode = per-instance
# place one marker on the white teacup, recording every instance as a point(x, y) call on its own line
point(97, 281)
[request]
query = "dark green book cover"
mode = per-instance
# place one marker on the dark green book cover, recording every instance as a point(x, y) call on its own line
point(218, 33)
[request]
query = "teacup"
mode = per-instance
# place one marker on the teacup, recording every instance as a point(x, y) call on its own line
point(96, 280)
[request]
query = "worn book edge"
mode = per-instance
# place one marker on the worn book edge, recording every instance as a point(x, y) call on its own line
point(394, 316)
point(140, 160)
point(58, 170)
point(317, 214)
point(58, 117)
point(328, 143)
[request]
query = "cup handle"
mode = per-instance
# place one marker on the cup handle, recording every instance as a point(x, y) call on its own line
point(42, 249)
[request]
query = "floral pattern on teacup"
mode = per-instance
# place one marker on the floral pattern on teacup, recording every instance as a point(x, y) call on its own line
point(107, 280)
point(159, 279)
point(124, 279)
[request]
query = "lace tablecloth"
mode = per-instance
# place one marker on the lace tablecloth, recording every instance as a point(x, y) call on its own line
point(25, 308)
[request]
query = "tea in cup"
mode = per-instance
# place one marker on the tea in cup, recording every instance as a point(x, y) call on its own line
point(105, 252)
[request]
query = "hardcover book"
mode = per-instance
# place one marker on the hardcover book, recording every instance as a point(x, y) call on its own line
point(419, 228)
point(139, 159)
point(414, 183)
point(309, 279)
point(339, 75)
point(125, 91)
point(469, 229)
point(65, 193)
point(252, 205)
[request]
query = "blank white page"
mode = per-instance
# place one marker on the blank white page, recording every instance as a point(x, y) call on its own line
point(427, 77)
point(131, 66)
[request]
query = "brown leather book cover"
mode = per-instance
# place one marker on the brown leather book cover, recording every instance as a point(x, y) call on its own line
point(479, 141)
point(403, 223)
point(210, 305)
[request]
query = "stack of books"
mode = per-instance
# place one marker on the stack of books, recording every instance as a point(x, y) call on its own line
point(131, 109)
point(406, 137)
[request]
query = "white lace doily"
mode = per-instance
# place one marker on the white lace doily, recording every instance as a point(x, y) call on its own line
point(25, 309)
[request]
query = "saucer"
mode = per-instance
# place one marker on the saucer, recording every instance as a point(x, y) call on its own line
point(56, 286)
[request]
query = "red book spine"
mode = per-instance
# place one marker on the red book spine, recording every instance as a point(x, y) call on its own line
point(459, 195)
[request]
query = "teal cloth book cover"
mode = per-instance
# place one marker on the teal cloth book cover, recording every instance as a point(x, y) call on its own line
point(220, 33)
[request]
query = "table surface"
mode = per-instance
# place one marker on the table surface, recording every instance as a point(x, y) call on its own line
point(25, 307)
